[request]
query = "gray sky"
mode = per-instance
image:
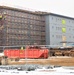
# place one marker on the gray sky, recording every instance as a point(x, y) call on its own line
point(63, 7)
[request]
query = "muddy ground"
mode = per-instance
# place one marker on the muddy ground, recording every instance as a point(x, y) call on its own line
point(62, 61)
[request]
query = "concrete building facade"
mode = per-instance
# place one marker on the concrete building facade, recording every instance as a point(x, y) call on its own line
point(59, 29)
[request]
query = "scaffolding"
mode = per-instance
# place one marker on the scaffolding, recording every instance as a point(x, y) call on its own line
point(19, 27)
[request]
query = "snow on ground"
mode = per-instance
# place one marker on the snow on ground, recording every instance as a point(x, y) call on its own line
point(38, 73)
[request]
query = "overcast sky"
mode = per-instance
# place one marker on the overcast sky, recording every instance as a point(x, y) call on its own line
point(63, 7)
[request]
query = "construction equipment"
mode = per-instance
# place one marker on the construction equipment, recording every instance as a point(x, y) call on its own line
point(64, 51)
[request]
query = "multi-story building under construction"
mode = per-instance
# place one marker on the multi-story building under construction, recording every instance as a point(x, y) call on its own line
point(25, 27)
point(21, 27)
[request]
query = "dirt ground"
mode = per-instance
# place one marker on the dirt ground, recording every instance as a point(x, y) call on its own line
point(62, 61)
